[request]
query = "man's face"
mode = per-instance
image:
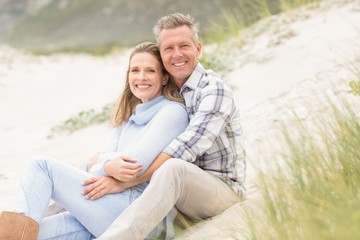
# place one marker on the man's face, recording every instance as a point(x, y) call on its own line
point(179, 53)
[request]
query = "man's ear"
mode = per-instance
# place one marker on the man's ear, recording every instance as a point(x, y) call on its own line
point(198, 48)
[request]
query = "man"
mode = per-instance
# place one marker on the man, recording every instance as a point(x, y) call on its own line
point(202, 172)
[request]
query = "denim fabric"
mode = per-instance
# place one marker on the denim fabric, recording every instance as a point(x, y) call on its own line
point(48, 179)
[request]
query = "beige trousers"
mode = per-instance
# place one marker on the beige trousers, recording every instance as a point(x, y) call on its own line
point(194, 192)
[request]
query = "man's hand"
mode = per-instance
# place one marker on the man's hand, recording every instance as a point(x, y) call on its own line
point(100, 186)
point(123, 168)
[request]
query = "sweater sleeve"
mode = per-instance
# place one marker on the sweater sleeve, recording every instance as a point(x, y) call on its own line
point(113, 147)
point(115, 139)
point(167, 124)
point(98, 168)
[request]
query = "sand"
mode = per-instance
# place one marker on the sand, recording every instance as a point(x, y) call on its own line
point(296, 59)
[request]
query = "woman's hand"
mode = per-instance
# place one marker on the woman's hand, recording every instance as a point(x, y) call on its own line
point(100, 186)
point(123, 168)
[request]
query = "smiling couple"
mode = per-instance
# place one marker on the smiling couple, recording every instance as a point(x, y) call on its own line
point(177, 144)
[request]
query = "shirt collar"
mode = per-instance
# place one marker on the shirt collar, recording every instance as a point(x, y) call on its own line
point(194, 79)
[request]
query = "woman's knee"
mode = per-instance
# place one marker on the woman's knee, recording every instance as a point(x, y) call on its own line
point(40, 162)
point(37, 161)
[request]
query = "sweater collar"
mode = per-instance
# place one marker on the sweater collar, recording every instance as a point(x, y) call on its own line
point(144, 112)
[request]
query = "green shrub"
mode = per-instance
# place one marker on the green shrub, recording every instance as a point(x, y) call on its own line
point(83, 119)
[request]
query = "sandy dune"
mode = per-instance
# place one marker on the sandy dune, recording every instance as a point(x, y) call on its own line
point(298, 58)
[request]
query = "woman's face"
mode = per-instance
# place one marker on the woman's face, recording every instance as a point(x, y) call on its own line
point(145, 77)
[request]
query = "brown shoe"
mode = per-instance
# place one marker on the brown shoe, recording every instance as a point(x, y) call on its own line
point(15, 226)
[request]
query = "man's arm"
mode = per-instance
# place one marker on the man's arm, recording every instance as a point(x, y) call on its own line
point(159, 160)
point(214, 109)
point(100, 186)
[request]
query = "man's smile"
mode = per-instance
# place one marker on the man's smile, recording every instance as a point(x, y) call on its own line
point(179, 64)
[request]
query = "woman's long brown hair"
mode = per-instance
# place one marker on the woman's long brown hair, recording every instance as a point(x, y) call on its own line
point(128, 101)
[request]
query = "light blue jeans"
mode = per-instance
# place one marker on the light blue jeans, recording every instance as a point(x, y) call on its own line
point(85, 219)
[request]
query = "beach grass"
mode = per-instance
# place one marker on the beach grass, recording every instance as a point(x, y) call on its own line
point(354, 69)
point(231, 22)
point(312, 191)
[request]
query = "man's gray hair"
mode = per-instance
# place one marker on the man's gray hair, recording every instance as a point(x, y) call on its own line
point(177, 20)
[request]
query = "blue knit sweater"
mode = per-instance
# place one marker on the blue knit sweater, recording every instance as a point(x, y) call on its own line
point(148, 131)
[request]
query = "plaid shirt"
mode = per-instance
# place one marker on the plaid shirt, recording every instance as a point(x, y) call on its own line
point(213, 140)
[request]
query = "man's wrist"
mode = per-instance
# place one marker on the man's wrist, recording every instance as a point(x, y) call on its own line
point(132, 183)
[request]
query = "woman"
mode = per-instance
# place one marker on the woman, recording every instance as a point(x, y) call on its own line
point(148, 117)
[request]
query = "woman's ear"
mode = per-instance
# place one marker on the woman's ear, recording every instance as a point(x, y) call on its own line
point(165, 79)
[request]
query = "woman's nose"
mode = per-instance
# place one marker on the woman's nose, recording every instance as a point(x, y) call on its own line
point(141, 75)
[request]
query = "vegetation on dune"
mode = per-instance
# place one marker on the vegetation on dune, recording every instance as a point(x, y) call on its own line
point(355, 81)
point(316, 194)
point(245, 13)
point(312, 191)
point(82, 120)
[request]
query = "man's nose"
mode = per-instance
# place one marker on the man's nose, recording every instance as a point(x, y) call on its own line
point(177, 52)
